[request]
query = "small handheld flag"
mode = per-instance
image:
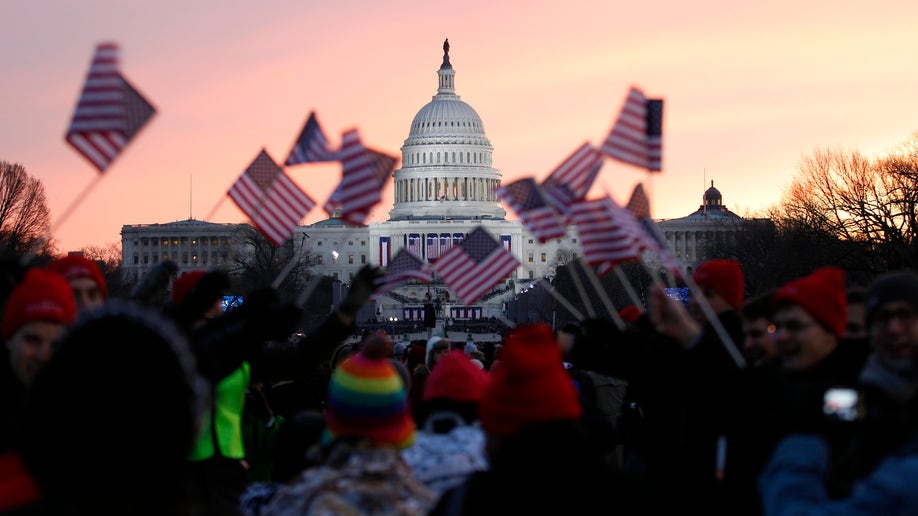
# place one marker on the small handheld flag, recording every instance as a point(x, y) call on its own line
point(109, 112)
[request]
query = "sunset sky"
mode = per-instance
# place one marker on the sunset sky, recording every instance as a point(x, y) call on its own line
point(750, 88)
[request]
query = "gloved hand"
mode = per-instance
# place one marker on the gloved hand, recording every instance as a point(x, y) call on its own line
point(363, 286)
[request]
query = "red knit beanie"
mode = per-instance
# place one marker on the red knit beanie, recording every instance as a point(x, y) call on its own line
point(41, 296)
point(75, 266)
point(822, 295)
point(184, 283)
point(456, 378)
point(724, 277)
point(530, 385)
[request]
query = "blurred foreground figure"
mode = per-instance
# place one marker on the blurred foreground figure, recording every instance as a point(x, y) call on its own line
point(112, 416)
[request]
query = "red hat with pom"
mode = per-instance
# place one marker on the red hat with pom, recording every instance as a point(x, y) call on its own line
point(822, 295)
point(41, 296)
point(725, 277)
point(456, 378)
point(75, 266)
point(530, 385)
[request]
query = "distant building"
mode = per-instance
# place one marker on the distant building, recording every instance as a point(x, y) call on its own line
point(190, 244)
point(710, 229)
point(445, 188)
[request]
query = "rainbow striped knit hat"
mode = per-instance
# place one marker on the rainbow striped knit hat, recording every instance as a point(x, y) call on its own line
point(367, 398)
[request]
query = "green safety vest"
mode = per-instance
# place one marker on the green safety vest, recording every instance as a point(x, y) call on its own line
point(223, 422)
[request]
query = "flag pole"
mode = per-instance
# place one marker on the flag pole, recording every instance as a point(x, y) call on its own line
point(719, 329)
point(575, 276)
point(24, 260)
point(294, 261)
point(213, 211)
point(561, 299)
point(603, 296)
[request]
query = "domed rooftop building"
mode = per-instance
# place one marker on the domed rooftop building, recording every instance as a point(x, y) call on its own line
point(708, 231)
point(446, 161)
point(712, 207)
point(446, 188)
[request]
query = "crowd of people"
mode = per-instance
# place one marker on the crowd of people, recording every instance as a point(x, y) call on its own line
point(800, 400)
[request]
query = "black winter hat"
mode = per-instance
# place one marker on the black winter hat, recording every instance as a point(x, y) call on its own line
point(901, 285)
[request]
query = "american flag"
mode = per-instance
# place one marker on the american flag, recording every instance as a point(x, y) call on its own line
point(637, 136)
point(109, 112)
point(572, 179)
point(311, 146)
point(405, 266)
point(474, 266)
point(363, 176)
point(526, 199)
point(604, 238)
point(639, 206)
point(433, 249)
point(414, 243)
point(271, 199)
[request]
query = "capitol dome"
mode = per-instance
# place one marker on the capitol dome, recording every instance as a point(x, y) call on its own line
point(446, 161)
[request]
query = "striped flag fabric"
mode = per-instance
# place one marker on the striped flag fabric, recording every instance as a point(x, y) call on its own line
point(311, 146)
point(109, 112)
point(639, 206)
point(473, 267)
point(433, 248)
point(572, 179)
point(414, 243)
point(526, 198)
point(604, 238)
point(270, 198)
point(363, 176)
point(404, 266)
point(637, 136)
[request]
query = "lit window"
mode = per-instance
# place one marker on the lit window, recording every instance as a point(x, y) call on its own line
point(165, 242)
point(530, 257)
point(543, 257)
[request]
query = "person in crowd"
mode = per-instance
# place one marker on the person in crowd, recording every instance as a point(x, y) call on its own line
point(685, 404)
point(449, 444)
point(758, 331)
point(793, 482)
point(856, 326)
point(368, 422)
point(296, 450)
point(85, 277)
point(540, 458)
point(435, 348)
point(38, 310)
point(599, 378)
point(810, 315)
point(112, 416)
point(235, 348)
point(884, 417)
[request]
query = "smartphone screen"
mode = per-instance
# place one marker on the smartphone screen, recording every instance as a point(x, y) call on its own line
point(843, 404)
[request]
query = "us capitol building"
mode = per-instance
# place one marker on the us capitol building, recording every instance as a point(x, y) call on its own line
point(444, 189)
